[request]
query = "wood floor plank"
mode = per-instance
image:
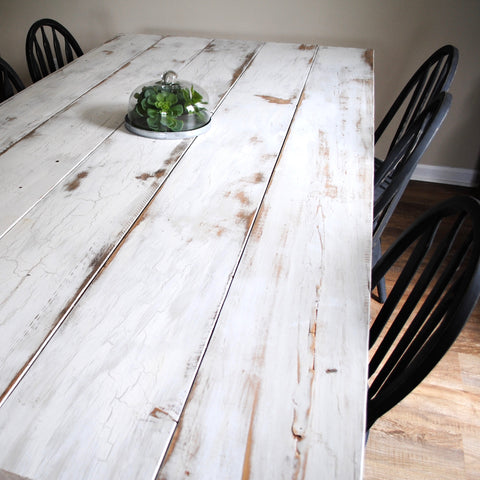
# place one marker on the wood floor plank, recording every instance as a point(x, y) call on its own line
point(469, 369)
point(471, 449)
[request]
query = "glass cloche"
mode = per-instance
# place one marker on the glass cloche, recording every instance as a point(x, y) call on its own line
point(168, 108)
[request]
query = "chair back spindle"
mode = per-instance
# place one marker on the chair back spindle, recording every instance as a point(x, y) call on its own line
point(393, 175)
point(439, 285)
point(434, 76)
point(44, 50)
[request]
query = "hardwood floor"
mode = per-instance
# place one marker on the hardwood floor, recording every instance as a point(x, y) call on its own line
point(434, 433)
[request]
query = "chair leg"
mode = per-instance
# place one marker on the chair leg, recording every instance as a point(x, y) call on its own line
point(382, 290)
point(381, 286)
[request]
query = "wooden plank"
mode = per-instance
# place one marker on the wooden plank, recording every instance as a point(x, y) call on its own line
point(52, 254)
point(32, 167)
point(25, 111)
point(281, 390)
point(10, 476)
point(103, 396)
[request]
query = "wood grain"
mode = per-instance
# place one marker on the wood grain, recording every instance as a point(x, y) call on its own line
point(53, 253)
point(283, 381)
point(24, 112)
point(34, 166)
point(136, 336)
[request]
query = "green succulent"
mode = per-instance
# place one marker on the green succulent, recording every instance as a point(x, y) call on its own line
point(191, 99)
point(161, 105)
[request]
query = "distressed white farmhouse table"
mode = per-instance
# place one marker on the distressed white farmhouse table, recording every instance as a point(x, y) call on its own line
point(193, 308)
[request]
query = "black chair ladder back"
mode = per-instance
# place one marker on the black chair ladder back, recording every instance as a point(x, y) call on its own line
point(10, 82)
point(47, 54)
point(393, 175)
point(439, 285)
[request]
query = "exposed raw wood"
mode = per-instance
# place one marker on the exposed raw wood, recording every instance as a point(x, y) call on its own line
point(4, 475)
point(31, 168)
point(292, 324)
point(24, 112)
point(52, 253)
point(121, 268)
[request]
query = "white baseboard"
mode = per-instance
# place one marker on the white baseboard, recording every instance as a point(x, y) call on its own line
point(463, 177)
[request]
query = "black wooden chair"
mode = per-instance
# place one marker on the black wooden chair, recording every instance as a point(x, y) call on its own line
point(393, 174)
point(439, 284)
point(10, 82)
point(434, 76)
point(49, 46)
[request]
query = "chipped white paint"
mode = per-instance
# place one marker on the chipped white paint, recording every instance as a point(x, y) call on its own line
point(280, 391)
point(42, 270)
point(33, 166)
point(24, 112)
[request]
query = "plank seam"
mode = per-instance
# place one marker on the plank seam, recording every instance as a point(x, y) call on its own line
point(66, 107)
point(242, 251)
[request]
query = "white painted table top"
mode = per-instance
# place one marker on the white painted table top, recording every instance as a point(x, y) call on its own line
point(192, 308)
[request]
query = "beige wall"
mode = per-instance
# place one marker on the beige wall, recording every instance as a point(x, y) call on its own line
point(402, 32)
